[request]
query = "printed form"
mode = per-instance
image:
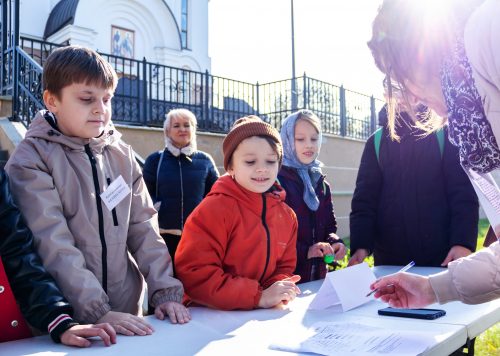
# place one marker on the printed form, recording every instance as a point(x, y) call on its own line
point(327, 338)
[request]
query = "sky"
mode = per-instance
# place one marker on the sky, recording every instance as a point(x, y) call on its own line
point(250, 40)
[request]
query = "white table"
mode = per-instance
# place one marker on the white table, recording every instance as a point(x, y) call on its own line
point(213, 332)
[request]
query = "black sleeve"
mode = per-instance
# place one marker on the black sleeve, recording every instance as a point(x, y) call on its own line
point(213, 175)
point(462, 200)
point(365, 201)
point(39, 298)
point(149, 173)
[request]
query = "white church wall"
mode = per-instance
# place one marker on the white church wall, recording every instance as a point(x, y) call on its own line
point(154, 28)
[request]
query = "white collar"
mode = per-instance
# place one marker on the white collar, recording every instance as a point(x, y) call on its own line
point(187, 150)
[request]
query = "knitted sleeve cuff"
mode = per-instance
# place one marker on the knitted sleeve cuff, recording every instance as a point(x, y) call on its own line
point(59, 325)
point(172, 294)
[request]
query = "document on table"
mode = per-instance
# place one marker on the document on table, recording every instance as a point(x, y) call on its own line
point(344, 289)
point(326, 338)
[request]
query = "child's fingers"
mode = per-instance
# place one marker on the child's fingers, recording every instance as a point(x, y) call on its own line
point(109, 331)
point(295, 278)
point(291, 286)
point(326, 249)
point(290, 283)
point(338, 247)
point(288, 295)
point(177, 313)
point(142, 324)
point(183, 315)
point(74, 340)
point(135, 327)
point(172, 315)
point(103, 331)
point(159, 313)
point(120, 329)
point(297, 289)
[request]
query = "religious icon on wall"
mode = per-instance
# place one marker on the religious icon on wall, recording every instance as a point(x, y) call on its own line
point(122, 42)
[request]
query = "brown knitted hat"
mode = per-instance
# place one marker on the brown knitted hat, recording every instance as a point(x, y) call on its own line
point(246, 127)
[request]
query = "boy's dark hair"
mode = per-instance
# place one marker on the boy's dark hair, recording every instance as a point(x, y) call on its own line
point(76, 64)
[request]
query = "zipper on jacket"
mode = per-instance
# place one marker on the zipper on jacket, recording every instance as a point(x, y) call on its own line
point(182, 194)
point(104, 252)
point(113, 212)
point(268, 235)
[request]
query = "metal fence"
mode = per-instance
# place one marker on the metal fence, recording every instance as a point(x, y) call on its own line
point(146, 91)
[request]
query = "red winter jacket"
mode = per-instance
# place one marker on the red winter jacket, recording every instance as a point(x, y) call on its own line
point(235, 244)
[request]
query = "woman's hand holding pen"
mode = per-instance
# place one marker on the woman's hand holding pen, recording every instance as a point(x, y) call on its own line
point(404, 290)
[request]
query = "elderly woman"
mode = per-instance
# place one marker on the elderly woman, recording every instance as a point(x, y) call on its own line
point(178, 177)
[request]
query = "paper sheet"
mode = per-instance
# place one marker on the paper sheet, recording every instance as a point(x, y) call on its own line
point(344, 289)
point(326, 338)
point(489, 196)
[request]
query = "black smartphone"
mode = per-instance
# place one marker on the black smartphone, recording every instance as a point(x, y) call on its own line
point(428, 314)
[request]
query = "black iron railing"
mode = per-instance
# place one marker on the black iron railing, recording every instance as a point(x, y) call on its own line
point(29, 93)
point(146, 91)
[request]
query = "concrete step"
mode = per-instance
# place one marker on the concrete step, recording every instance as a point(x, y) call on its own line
point(5, 106)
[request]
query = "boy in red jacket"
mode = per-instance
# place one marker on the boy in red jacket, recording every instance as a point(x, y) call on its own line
point(238, 245)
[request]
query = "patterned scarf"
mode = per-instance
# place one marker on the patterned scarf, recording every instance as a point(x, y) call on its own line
point(309, 173)
point(469, 128)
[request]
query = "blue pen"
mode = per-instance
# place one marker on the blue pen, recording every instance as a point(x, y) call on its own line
point(404, 269)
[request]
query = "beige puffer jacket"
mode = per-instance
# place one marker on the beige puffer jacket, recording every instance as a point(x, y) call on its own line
point(474, 279)
point(53, 184)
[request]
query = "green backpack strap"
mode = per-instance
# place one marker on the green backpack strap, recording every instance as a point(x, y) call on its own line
point(378, 137)
point(440, 138)
point(376, 141)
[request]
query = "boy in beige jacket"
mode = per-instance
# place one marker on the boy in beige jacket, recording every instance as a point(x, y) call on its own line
point(84, 198)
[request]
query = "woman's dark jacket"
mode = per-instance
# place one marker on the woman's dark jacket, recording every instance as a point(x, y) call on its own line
point(34, 289)
point(183, 182)
point(314, 226)
point(414, 204)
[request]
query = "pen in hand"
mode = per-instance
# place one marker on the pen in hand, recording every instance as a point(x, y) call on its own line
point(404, 269)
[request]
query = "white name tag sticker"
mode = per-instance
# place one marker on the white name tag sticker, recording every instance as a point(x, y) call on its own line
point(115, 193)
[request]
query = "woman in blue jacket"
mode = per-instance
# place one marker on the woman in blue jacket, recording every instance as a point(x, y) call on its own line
point(178, 177)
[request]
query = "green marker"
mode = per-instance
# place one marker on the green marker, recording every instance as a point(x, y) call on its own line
point(329, 258)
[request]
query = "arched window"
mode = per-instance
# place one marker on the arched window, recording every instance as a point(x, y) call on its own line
point(184, 24)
